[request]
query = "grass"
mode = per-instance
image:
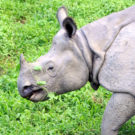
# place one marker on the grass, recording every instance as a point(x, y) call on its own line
point(28, 26)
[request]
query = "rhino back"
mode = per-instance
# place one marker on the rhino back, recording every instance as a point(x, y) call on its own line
point(118, 71)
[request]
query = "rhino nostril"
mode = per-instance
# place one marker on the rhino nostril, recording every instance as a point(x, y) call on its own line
point(26, 87)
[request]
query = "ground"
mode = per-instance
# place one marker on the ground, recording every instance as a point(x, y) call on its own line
point(28, 26)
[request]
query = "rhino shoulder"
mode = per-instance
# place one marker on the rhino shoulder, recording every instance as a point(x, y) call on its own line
point(118, 70)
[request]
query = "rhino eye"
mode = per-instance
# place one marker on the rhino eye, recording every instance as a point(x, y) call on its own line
point(51, 68)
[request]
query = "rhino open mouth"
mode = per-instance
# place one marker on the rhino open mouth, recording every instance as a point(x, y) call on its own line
point(35, 94)
point(38, 95)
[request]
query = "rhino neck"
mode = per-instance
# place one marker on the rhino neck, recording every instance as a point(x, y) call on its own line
point(87, 54)
point(85, 49)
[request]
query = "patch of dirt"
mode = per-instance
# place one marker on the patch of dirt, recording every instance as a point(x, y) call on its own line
point(97, 100)
point(1, 71)
point(22, 19)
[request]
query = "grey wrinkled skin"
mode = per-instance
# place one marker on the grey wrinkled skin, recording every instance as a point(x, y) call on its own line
point(102, 52)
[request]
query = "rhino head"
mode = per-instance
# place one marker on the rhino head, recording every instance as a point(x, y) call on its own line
point(64, 68)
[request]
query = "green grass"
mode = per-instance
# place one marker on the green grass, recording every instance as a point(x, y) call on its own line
point(28, 26)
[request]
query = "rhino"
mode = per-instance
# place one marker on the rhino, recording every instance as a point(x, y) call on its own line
point(101, 52)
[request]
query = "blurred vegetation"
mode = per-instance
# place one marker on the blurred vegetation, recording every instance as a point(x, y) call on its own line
point(28, 26)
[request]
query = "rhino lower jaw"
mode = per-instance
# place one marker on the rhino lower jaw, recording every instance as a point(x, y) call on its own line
point(39, 95)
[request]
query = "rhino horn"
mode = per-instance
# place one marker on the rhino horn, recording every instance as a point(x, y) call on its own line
point(22, 61)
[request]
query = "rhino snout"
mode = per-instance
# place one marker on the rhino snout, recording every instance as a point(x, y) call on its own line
point(33, 93)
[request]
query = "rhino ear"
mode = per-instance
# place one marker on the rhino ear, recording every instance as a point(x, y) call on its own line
point(23, 62)
point(70, 26)
point(61, 15)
